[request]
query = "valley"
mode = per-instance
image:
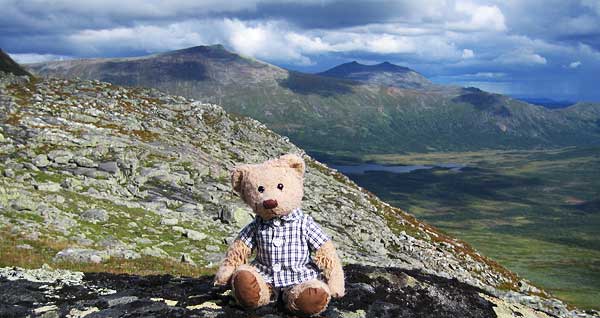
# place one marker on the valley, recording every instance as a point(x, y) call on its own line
point(537, 212)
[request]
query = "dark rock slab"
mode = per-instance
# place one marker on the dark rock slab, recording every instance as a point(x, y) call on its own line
point(371, 292)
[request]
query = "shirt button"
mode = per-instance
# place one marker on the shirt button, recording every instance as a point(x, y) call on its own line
point(278, 241)
point(277, 222)
point(277, 267)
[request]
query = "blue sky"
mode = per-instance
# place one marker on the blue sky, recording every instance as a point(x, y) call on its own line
point(541, 48)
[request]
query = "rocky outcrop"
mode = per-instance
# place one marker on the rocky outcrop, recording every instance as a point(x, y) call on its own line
point(8, 65)
point(113, 172)
point(371, 292)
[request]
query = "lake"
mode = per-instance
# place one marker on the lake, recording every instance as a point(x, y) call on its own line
point(372, 167)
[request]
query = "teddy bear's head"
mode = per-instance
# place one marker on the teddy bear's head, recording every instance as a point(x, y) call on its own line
point(273, 188)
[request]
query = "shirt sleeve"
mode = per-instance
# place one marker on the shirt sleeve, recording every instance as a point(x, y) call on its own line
point(314, 234)
point(247, 234)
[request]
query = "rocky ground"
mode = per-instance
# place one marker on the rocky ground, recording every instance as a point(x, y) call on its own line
point(372, 292)
point(92, 172)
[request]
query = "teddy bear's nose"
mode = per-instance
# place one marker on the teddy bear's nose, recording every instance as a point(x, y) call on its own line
point(270, 204)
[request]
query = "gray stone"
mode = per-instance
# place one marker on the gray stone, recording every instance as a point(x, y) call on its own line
point(154, 251)
point(1, 137)
point(119, 300)
point(109, 166)
point(85, 162)
point(95, 215)
point(60, 156)
point(41, 161)
point(169, 221)
point(23, 204)
point(81, 255)
point(71, 184)
point(9, 173)
point(48, 187)
point(143, 240)
point(235, 214)
point(123, 253)
point(194, 235)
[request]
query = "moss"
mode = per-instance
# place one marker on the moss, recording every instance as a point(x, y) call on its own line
point(41, 177)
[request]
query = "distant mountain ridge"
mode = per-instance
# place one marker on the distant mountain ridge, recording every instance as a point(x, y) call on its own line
point(385, 74)
point(354, 111)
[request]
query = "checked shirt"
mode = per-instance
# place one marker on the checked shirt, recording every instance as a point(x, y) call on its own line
point(283, 247)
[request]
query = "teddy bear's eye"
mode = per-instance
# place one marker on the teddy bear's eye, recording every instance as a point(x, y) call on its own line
point(280, 186)
point(261, 189)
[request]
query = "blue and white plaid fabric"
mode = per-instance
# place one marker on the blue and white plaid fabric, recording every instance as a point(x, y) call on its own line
point(283, 247)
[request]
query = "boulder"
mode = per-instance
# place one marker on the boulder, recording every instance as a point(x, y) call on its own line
point(48, 187)
point(235, 214)
point(110, 166)
point(81, 255)
point(95, 215)
point(194, 235)
point(41, 161)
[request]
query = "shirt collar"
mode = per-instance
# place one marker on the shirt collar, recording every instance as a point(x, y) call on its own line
point(295, 215)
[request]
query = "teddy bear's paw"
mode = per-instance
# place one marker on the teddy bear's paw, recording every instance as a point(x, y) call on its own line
point(223, 275)
point(337, 291)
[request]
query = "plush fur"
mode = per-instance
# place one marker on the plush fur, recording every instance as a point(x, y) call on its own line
point(280, 180)
point(327, 260)
point(237, 255)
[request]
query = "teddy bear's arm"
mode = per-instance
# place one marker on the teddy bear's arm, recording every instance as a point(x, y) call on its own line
point(237, 255)
point(327, 260)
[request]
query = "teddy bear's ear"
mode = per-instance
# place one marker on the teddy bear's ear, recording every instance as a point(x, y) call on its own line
point(237, 177)
point(293, 161)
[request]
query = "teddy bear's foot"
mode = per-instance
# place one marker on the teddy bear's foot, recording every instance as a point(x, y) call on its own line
point(310, 297)
point(249, 288)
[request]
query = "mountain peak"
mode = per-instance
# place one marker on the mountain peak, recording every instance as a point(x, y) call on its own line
point(385, 73)
point(210, 51)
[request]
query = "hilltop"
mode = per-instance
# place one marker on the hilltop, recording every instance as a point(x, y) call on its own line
point(315, 110)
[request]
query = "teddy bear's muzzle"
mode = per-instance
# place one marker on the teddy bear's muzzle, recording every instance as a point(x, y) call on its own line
point(270, 204)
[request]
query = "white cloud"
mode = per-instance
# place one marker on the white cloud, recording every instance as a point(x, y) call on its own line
point(521, 57)
point(467, 54)
point(575, 64)
point(477, 17)
point(25, 58)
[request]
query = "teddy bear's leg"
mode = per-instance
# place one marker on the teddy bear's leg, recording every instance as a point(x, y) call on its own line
point(249, 288)
point(310, 297)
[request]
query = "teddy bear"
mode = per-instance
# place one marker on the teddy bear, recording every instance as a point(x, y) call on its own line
point(283, 238)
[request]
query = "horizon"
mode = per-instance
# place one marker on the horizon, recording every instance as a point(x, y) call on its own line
point(493, 45)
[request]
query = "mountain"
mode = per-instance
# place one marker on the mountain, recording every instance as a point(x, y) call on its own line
point(98, 177)
point(326, 114)
point(384, 74)
point(8, 65)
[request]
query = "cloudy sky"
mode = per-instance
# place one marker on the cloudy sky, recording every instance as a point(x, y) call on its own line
point(537, 48)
